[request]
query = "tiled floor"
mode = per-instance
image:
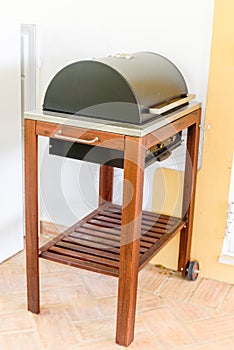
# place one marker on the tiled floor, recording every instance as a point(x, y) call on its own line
point(78, 310)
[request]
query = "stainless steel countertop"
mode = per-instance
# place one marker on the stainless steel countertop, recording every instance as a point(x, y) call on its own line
point(110, 126)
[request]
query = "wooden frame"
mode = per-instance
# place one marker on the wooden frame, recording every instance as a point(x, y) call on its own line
point(137, 235)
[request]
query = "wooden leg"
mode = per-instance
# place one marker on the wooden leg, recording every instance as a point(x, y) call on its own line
point(189, 195)
point(134, 157)
point(31, 215)
point(106, 183)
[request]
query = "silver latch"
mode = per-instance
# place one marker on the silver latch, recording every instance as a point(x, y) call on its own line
point(127, 56)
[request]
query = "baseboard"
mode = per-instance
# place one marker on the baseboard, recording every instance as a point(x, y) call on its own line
point(50, 228)
point(226, 259)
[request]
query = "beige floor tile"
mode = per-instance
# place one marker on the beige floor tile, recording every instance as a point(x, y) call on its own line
point(78, 303)
point(61, 279)
point(169, 332)
point(178, 288)
point(44, 266)
point(78, 310)
point(12, 302)
point(103, 328)
point(213, 329)
point(145, 301)
point(102, 345)
point(210, 293)
point(49, 297)
point(44, 239)
point(10, 279)
point(142, 341)
point(18, 301)
point(187, 312)
point(55, 329)
point(152, 278)
point(19, 341)
point(18, 262)
point(228, 303)
point(102, 287)
point(16, 321)
point(220, 345)
point(107, 306)
point(51, 266)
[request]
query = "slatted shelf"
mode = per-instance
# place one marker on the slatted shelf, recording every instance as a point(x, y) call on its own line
point(94, 242)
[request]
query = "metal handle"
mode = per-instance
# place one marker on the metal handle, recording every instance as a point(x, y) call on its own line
point(58, 135)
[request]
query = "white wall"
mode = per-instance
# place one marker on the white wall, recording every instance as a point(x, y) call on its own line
point(11, 197)
point(71, 30)
point(180, 30)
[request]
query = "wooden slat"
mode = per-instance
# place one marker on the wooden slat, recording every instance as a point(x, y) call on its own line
point(116, 224)
point(113, 235)
point(97, 236)
point(159, 217)
point(100, 228)
point(108, 218)
point(159, 245)
point(74, 239)
point(154, 229)
point(154, 235)
point(103, 223)
point(115, 210)
point(83, 256)
point(115, 229)
point(71, 229)
point(145, 230)
point(149, 222)
point(89, 228)
point(98, 246)
point(92, 251)
point(96, 239)
point(68, 260)
point(92, 244)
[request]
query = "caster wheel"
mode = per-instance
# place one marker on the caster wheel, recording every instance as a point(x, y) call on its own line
point(193, 270)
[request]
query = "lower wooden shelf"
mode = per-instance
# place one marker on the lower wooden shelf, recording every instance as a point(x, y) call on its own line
point(94, 242)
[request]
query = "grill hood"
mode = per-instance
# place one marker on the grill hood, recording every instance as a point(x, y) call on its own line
point(119, 88)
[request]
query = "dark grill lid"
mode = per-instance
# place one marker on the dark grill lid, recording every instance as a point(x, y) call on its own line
point(118, 88)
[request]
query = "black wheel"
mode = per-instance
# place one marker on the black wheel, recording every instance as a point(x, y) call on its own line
point(193, 270)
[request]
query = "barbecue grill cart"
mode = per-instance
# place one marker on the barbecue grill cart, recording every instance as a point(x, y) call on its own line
point(124, 111)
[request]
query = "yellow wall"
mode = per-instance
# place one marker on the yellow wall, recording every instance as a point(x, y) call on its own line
point(214, 177)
